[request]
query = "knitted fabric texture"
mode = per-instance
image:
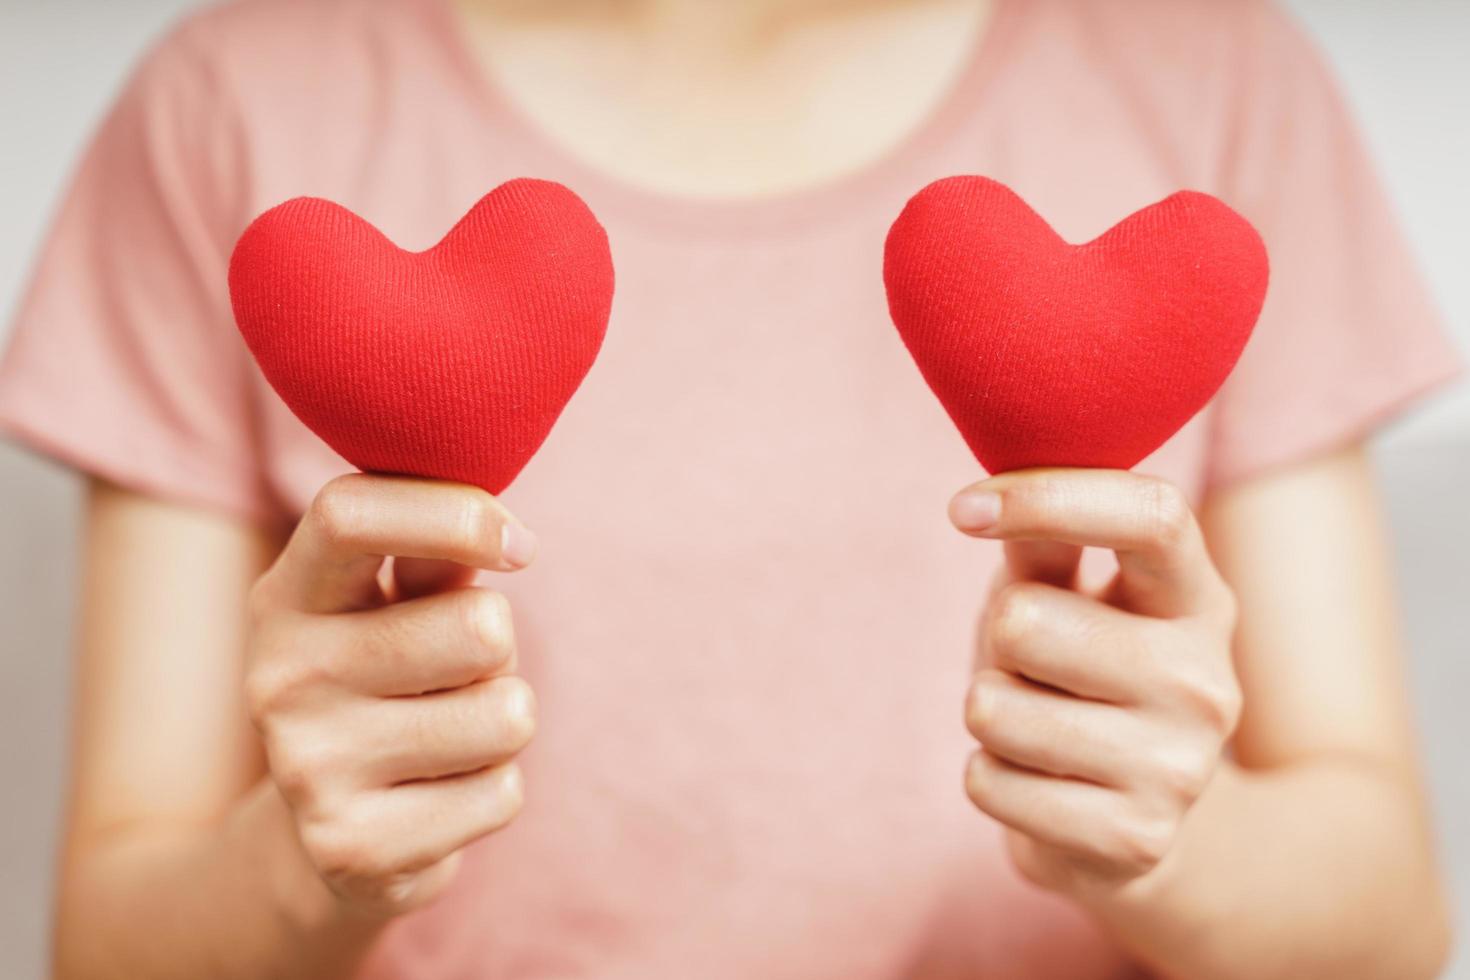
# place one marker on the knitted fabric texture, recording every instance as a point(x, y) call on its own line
point(451, 363)
point(1051, 354)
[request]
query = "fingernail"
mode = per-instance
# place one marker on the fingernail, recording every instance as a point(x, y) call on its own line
point(517, 545)
point(975, 510)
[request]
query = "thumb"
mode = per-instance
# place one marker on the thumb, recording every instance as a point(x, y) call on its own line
point(978, 507)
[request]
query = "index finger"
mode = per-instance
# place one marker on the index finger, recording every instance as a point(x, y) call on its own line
point(331, 562)
point(1164, 566)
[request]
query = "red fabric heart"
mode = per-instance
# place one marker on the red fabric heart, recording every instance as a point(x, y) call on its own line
point(1051, 354)
point(451, 363)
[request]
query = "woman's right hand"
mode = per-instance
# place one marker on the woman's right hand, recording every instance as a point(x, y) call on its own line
point(390, 717)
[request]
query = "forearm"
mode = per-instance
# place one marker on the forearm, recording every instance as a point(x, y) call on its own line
point(1323, 869)
point(235, 901)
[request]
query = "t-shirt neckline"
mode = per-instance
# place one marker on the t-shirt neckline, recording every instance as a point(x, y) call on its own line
point(901, 168)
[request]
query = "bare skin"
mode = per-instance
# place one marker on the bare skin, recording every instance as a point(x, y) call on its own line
point(1102, 721)
point(302, 703)
point(386, 719)
point(725, 99)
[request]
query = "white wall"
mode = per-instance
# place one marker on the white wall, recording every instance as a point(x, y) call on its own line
point(1404, 64)
point(59, 61)
point(1406, 68)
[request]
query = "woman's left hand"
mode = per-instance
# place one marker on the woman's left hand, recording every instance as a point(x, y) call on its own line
point(1101, 718)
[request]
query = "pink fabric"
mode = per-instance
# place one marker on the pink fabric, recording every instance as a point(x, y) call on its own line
point(750, 622)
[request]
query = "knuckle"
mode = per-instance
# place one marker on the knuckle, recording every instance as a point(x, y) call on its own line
point(1170, 517)
point(267, 687)
point(259, 694)
point(1183, 775)
point(1229, 703)
point(1140, 843)
point(1036, 870)
point(508, 798)
point(517, 715)
point(1215, 697)
point(1037, 863)
point(486, 618)
point(979, 784)
point(274, 683)
point(398, 891)
point(981, 707)
point(478, 523)
point(301, 769)
point(341, 852)
point(336, 512)
point(294, 780)
point(1012, 612)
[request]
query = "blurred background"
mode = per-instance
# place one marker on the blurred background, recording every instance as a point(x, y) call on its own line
point(1403, 65)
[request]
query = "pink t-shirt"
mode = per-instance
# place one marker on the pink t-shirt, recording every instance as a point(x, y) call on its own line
point(750, 623)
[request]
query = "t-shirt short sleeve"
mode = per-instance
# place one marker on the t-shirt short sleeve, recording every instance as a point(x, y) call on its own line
point(123, 360)
point(1348, 335)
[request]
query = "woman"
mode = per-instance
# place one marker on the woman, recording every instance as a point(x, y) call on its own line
point(749, 628)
